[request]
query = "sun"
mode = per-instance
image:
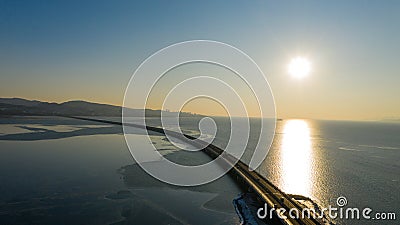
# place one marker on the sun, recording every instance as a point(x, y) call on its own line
point(299, 67)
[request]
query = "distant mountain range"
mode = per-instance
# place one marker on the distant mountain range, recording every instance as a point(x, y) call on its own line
point(24, 107)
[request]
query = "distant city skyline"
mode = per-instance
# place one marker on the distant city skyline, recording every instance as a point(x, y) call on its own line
point(72, 50)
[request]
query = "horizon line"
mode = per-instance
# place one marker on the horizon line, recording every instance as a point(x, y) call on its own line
point(394, 119)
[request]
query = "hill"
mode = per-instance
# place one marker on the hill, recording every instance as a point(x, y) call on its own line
point(24, 107)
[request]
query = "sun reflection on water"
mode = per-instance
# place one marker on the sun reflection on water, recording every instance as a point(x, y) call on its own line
point(296, 158)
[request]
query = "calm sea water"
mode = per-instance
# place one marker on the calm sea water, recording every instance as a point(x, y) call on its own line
point(65, 171)
point(324, 160)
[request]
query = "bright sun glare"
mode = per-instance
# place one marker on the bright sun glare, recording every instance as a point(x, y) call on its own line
point(299, 67)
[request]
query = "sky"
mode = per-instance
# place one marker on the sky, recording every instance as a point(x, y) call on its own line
point(67, 50)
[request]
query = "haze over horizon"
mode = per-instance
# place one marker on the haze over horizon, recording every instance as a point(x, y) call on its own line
point(64, 51)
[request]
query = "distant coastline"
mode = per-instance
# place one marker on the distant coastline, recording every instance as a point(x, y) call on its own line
point(24, 107)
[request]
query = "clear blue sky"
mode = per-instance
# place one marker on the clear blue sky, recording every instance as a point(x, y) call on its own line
point(63, 50)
